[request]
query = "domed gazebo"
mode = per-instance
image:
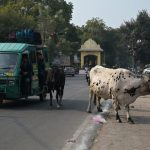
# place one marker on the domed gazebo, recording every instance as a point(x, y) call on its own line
point(91, 53)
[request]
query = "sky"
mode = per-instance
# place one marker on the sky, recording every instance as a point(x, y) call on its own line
point(113, 12)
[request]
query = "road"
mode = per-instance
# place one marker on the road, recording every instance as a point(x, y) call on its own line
point(32, 125)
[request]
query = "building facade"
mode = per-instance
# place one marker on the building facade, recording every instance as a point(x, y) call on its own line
point(91, 54)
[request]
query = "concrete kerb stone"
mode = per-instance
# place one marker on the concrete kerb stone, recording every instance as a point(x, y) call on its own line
point(85, 135)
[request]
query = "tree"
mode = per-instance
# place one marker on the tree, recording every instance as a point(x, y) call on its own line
point(55, 20)
point(40, 15)
point(109, 39)
point(10, 21)
point(61, 8)
point(95, 29)
point(66, 42)
point(136, 34)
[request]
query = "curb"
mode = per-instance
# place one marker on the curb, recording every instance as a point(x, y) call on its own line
point(83, 138)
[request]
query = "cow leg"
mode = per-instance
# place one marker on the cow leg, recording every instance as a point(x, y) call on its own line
point(116, 108)
point(61, 94)
point(99, 109)
point(129, 119)
point(88, 81)
point(118, 117)
point(57, 97)
point(90, 100)
point(51, 98)
point(95, 99)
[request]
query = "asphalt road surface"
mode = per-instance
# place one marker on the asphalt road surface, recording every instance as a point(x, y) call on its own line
point(32, 125)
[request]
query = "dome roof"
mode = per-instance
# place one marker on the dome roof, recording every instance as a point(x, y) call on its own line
point(90, 45)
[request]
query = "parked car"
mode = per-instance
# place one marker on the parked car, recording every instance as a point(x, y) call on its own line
point(69, 70)
point(146, 71)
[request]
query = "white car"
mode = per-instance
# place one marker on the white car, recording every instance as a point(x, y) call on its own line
point(69, 70)
point(146, 71)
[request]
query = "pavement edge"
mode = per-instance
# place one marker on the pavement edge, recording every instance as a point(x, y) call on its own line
point(84, 136)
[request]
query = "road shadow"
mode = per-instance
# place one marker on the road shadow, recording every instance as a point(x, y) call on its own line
point(35, 104)
point(22, 104)
point(78, 105)
point(140, 110)
point(141, 119)
point(146, 96)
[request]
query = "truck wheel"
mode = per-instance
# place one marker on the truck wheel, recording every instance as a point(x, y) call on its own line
point(1, 101)
point(2, 97)
point(41, 97)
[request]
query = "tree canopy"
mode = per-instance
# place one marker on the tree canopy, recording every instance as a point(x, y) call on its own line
point(52, 19)
point(136, 35)
point(11, 21)
point(41, 15)
point(109, 39)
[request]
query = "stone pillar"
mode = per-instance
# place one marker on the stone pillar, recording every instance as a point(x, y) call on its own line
point(98, 59)
point(82, 59)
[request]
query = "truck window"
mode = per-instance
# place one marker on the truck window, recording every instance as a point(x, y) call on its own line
point(8, 61)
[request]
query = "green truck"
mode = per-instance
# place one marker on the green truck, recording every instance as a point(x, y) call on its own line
point(10, 63)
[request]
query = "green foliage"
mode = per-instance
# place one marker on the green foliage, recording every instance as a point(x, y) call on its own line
point(42, 15)
point(55, 16)
point(67, 41)
point(11, 21)
point(48, 16)
point(109, 39)
point(136, 35)
point(95, 29)
point(58, 9)
point(52, 49)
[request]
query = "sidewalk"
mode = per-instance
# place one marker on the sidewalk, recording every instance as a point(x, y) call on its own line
point(124, 136)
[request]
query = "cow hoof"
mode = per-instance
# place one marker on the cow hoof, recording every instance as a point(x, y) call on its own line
point(99, 109)
point(58, 106)
point(89, 111)
point(119, 121)
point(130, 121)
point(132, 106)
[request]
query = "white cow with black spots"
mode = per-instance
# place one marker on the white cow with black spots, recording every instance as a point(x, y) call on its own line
point(120, 85)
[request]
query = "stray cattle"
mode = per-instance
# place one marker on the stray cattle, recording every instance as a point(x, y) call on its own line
point(56, 82)
point(120, 85)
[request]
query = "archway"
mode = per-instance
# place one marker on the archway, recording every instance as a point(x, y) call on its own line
point(91, 53)
point(90, 60)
